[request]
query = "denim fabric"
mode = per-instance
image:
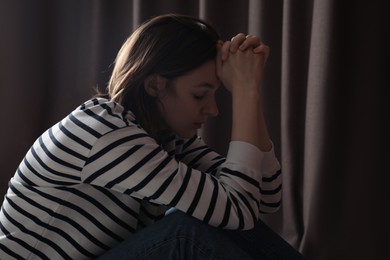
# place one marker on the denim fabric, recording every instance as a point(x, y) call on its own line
point(179, 236)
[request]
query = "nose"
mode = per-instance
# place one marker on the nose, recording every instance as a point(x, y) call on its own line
point(211, 108)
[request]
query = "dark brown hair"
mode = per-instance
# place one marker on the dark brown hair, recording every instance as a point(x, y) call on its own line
point(168, 45)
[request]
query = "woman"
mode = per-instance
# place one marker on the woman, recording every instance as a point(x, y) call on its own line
point(101, 180)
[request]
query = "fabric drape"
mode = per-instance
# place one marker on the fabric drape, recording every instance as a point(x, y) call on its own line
point(323, 94)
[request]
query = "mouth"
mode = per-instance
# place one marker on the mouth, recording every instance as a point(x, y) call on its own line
point(198, 125)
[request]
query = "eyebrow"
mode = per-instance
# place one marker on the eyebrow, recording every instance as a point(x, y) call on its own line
point(207, 85)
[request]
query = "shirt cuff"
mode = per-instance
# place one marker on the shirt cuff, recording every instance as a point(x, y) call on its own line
point(252, 157)
point(245, 154)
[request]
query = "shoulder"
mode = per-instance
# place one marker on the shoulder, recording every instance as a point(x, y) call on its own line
point(107, 108)
point(110, 111)
point(101, 116)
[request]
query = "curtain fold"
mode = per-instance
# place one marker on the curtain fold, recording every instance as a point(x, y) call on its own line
point(323, 94)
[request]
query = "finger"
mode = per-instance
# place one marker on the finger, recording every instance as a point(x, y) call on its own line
point(225, 50)
point(219, 43)
point(259, 48)
point(262, 49)
point(250, 42)
point(236, 42)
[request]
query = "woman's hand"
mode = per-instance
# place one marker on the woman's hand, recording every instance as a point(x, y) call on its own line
point(240, 42)
point(241, 61)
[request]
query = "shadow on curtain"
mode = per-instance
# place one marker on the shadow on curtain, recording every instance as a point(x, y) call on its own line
point(323, 94)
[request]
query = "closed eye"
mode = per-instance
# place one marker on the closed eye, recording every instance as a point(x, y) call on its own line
point(198, 97)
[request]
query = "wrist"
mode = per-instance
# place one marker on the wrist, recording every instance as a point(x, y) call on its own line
point(246, 88)
point(251, 94)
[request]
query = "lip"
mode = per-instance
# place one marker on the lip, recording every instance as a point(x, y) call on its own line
point(198, 125)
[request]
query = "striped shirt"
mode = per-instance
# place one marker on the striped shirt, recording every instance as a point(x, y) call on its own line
point(96, 177)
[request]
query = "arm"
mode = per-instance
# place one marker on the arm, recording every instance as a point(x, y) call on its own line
point(240, 68)
point(241, 72)
point(137, 166)
point(197, 154)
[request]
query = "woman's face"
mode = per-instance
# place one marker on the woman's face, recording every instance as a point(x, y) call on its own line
point(190, 100)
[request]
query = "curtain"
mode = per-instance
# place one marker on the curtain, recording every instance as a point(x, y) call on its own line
point(324, 99)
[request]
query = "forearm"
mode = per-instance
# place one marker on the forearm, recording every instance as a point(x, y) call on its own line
point(248, 123)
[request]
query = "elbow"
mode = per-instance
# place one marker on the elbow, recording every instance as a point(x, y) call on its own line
point(246, 216)
point(269, 207)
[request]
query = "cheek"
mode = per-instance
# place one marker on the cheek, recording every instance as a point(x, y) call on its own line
point(190, 109)
point(182, 115)
point(172, 111)
point(181, 112)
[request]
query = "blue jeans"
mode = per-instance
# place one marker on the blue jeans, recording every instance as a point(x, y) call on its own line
point(179, 236)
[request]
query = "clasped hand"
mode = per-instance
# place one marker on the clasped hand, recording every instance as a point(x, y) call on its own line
point(240, 62)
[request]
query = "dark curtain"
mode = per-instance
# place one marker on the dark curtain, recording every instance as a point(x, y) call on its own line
point(324, 97)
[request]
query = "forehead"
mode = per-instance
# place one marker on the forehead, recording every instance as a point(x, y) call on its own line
point(202, 76)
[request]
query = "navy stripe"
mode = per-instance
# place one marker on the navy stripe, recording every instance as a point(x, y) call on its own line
point(112, 165)
point(198, 194)
point(189, 142)
point(239, 213)
point(123, 115)
point(213, 201)
point(114, 145)
point(36, 173)
point(271, 204)
point(73, 137)
point(199, 156)
point(84, 126)
point(7, 251)
point(118, 202)
point(24, 178)
point(273, 177)
point(63, 218)
point(99, 206)
point(163, 186)
point(50, 243)
point(78, 209)
point(249, 207)
point(151, 175)
point(56, 159)
point(133, 169)
point(100, 119)
point(226, 215)
point(182, 188)
point(64, 148)
point(47, 168)
point(227, 172)
point(17, 240)
point(95, 101)
point(271, 192)
point(214, 166)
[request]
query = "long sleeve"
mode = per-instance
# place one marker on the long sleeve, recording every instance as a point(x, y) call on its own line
point(137, 166)
point(96, 177)
point(198, 155)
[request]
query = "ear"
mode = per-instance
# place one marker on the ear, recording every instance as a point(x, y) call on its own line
point(153, 84)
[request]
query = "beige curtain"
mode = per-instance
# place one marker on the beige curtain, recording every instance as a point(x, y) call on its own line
point(324, 96)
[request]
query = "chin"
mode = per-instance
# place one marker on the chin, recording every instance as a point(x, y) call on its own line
point(187, 135)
